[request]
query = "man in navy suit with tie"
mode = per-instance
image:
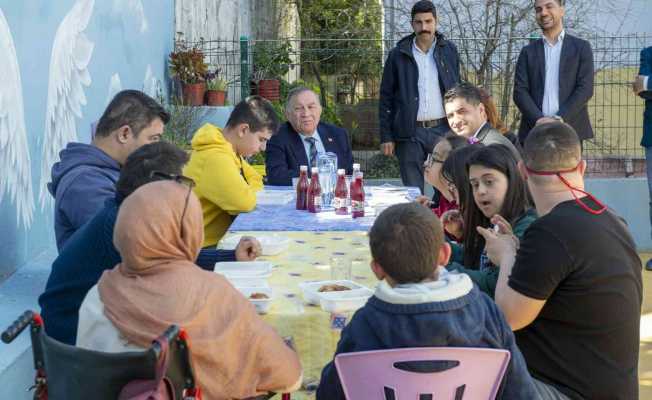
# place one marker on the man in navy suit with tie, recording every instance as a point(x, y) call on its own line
point(643, 88)
point(300, 140)
point(554, 75)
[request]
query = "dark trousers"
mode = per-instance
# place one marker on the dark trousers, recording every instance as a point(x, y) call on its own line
point(412, 153)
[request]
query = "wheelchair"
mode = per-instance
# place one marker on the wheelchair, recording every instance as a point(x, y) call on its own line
point(65, 372)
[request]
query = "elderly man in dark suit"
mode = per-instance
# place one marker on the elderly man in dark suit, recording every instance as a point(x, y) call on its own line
point(643, 88)
point(554, 75)
point(300, 140)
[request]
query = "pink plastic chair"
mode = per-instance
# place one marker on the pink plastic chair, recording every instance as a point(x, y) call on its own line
point(441, 373)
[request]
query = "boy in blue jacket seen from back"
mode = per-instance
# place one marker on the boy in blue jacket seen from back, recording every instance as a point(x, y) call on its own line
point(418, 304)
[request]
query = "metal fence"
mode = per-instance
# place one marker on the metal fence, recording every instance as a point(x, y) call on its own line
point(348, 73)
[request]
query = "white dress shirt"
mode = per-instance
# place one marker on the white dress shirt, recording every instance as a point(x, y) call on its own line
point(431, 103)
point(318, 144)
point(475, 135)
point(550, 105)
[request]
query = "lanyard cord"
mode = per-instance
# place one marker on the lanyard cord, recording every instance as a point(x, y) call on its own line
point(602, 208)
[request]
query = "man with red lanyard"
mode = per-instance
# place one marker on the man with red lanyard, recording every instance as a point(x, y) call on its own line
point(572, 290)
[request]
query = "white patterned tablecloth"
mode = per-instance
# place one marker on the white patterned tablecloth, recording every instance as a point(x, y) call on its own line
point(284, 217)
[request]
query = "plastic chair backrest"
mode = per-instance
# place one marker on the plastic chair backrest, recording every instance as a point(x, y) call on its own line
point(442, 373)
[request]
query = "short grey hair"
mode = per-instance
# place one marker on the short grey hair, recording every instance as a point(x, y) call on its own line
point(294, 92)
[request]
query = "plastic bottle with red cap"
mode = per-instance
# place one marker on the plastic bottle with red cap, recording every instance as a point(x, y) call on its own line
point(302, 188)
point(314, 192)
point(341, 194)
point(357, 193)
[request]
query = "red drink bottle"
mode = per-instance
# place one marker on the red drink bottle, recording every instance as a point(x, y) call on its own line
point(341, 194)
point(302, 188)
point(356, 170)
point(357, 196)
point(314, 192)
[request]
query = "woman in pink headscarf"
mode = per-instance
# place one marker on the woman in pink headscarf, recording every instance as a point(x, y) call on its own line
point(159, 232)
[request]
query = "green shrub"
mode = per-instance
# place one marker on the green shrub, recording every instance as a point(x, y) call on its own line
point(329, 110)
point(183, 119)
point(381, 166)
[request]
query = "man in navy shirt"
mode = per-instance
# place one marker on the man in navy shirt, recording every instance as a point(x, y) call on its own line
point(86, 175)
point(90, 250)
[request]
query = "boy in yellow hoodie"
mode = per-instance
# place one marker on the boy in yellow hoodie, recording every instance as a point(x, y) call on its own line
point(225, 183)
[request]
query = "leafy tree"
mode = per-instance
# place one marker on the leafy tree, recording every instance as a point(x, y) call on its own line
point(341, 38)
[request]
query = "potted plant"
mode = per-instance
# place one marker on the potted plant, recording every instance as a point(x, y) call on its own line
point(271, 60)
point(216, 88)
point(187, 64)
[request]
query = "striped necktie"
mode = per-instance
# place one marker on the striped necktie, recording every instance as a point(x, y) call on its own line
point(312, 151)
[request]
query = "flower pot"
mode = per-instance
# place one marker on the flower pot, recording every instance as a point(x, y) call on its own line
point(269, 89)
point(193, 93)
point(215, 97)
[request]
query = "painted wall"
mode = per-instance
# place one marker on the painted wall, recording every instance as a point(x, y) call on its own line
point(213, 19)
point(629, 198)
point(61, 63)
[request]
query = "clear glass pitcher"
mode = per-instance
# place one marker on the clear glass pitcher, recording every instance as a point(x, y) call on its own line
point(327, 166)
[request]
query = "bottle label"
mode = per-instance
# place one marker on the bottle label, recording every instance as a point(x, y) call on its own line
point(357, 205)
point(317, 201)
point(339, 202)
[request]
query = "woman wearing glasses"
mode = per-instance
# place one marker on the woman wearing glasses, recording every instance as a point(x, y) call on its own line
point(432, 173)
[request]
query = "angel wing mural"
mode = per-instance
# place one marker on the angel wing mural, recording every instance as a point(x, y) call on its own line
point(151, 84)
point(15, 163)
point(135, 8)
point(71, 54)
point(115, 86)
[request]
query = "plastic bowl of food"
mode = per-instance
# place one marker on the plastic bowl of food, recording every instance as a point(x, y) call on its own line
point(260, 297)
point(245, 273)
point(244, 269)
point(344, 301)
point(313, 292)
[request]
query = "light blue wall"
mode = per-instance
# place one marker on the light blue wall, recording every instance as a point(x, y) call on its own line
point(629, 198)
point(128, 35)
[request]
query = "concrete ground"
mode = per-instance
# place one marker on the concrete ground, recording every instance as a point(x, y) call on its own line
point(645, 355)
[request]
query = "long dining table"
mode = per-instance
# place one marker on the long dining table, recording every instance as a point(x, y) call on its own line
point(313, 241)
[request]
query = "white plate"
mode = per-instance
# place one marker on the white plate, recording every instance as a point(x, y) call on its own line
point(249, 282)
point(244, 269)
point(262, 305)
point(272, 244)
point(312, 295)
point(245, 273)
point(273, 197)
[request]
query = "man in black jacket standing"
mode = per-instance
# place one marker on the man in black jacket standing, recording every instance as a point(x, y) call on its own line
point(418, 71)
point(554, 75)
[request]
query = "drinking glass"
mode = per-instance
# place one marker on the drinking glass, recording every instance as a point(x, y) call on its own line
point(327, 166)
point(340, 268)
